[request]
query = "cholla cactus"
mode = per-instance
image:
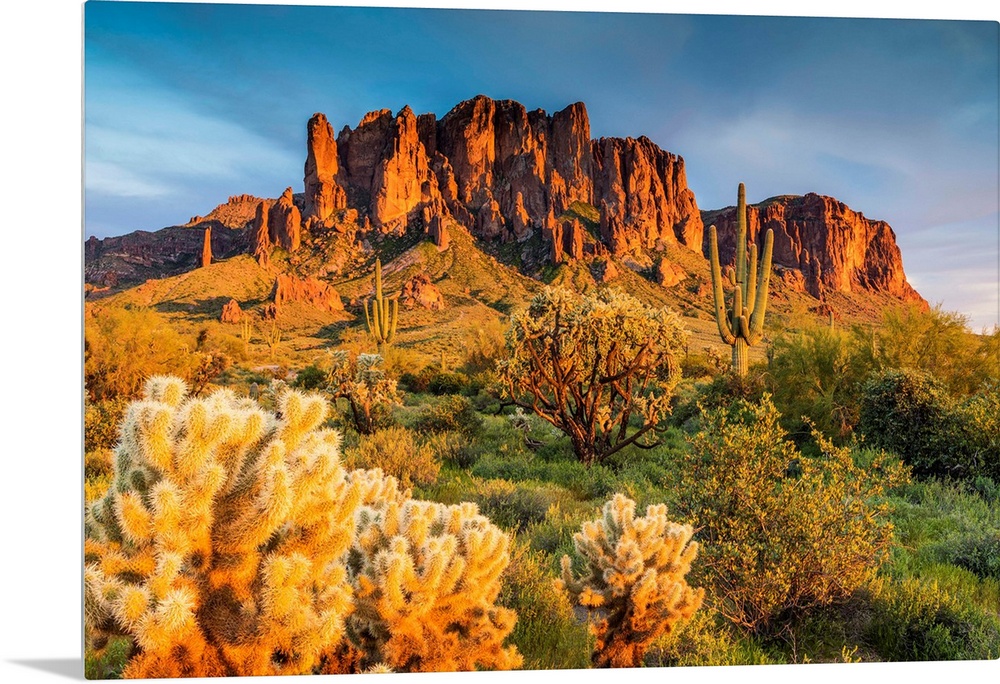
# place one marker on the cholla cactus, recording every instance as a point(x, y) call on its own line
point(593, 366)
point(369, 393)
point(219, 547)
point(633, 579)
point(426, 578)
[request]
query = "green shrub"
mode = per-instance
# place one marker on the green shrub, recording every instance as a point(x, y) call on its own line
point(451, 413)
point(722, 391)
point(513, 506)
point(123, 346)
point(451, 447)
point(782, 532)
point(311, 377)
point(547, 633)
point(396, 452)
point(915, 619)
point(448, 382)
point(909, 413)
point(706, 639)
point(101, 420)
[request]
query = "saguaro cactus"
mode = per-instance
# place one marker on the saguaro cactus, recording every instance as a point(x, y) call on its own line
point(384, 313)
point(743, 325)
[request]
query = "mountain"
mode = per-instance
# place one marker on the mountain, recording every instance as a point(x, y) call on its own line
point(834, 248)
point(493, 191)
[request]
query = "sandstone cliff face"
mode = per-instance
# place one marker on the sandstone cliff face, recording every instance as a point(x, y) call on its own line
point(323, 195)
point(505, 173)
point(835, 248)
point(419, 291)
point(236, 212)
point(284, 222)
point(312, 291)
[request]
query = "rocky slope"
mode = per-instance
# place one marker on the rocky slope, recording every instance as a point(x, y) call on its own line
point(530, 188)
point(835, 248)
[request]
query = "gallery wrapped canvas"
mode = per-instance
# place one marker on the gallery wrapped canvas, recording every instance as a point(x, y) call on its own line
point(426, 340)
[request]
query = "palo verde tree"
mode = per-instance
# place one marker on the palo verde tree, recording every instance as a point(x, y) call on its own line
point(599, 367)
point(743, 325)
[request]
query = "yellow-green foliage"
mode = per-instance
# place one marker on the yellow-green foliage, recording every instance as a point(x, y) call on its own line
point(783, 532)
point(217, 548)
point(395, 452)
point(427, 578)
point(124, 346)
point(591, 365)
point(634, 577)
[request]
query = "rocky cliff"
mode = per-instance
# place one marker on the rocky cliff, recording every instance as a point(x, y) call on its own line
point(834, 247)
point(506, 173)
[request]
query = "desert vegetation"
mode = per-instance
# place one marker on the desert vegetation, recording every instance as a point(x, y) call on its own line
point(565, 483)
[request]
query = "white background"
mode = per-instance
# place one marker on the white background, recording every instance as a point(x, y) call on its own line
point(40, 309)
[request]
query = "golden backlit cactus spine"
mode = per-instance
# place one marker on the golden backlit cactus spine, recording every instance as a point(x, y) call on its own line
point(384, 314)
point(633, 578)
point(427, 577)
point(743, 325)
point(218, 548)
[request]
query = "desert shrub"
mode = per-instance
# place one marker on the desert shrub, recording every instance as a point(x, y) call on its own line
point(209, 367)
point(977, 431)
point(451, 447)
point(396, 453)
point(932, 341)
point(101, 421)
point(547, 633)
point(312, 377)
point(418, 382)
point(428, 579)
point(722, 391)
point(909, 413)
point(125, 345)
point(634, 578)
point(451, 413)
point(591, 365)
point(815, 374)
point(221, 547)
point(698, 366)
point(706, 639)
point(514, 506)
point(448, 382)
point(484, 347)
point(782, 532)
point(916, 619)
point(978, 553)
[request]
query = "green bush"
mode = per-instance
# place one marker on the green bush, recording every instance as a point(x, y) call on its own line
point(782, 532)
point(396, 452)
point(311, 377)
point(547, 633)
point(909, 413)
point(452, 448)
point(915, 619)
point(451, 413)
point(514, 506)
point(447, 382)
point(101, 420)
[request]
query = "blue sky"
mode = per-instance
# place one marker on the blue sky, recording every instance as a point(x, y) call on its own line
point(188, 104)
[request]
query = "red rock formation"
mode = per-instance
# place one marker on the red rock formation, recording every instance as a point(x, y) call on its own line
point(288, 288)
point(231, 312)
point(206, 248)
point(552, 235)
point(835, 248)
point(420, 291)
point(285, 222)
point(573, 239)
point(237, 212)
point(435, 227)
point(668, 273)
point(261, 243)
point(322, 193)
point(402, 180)
point(644, 196)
